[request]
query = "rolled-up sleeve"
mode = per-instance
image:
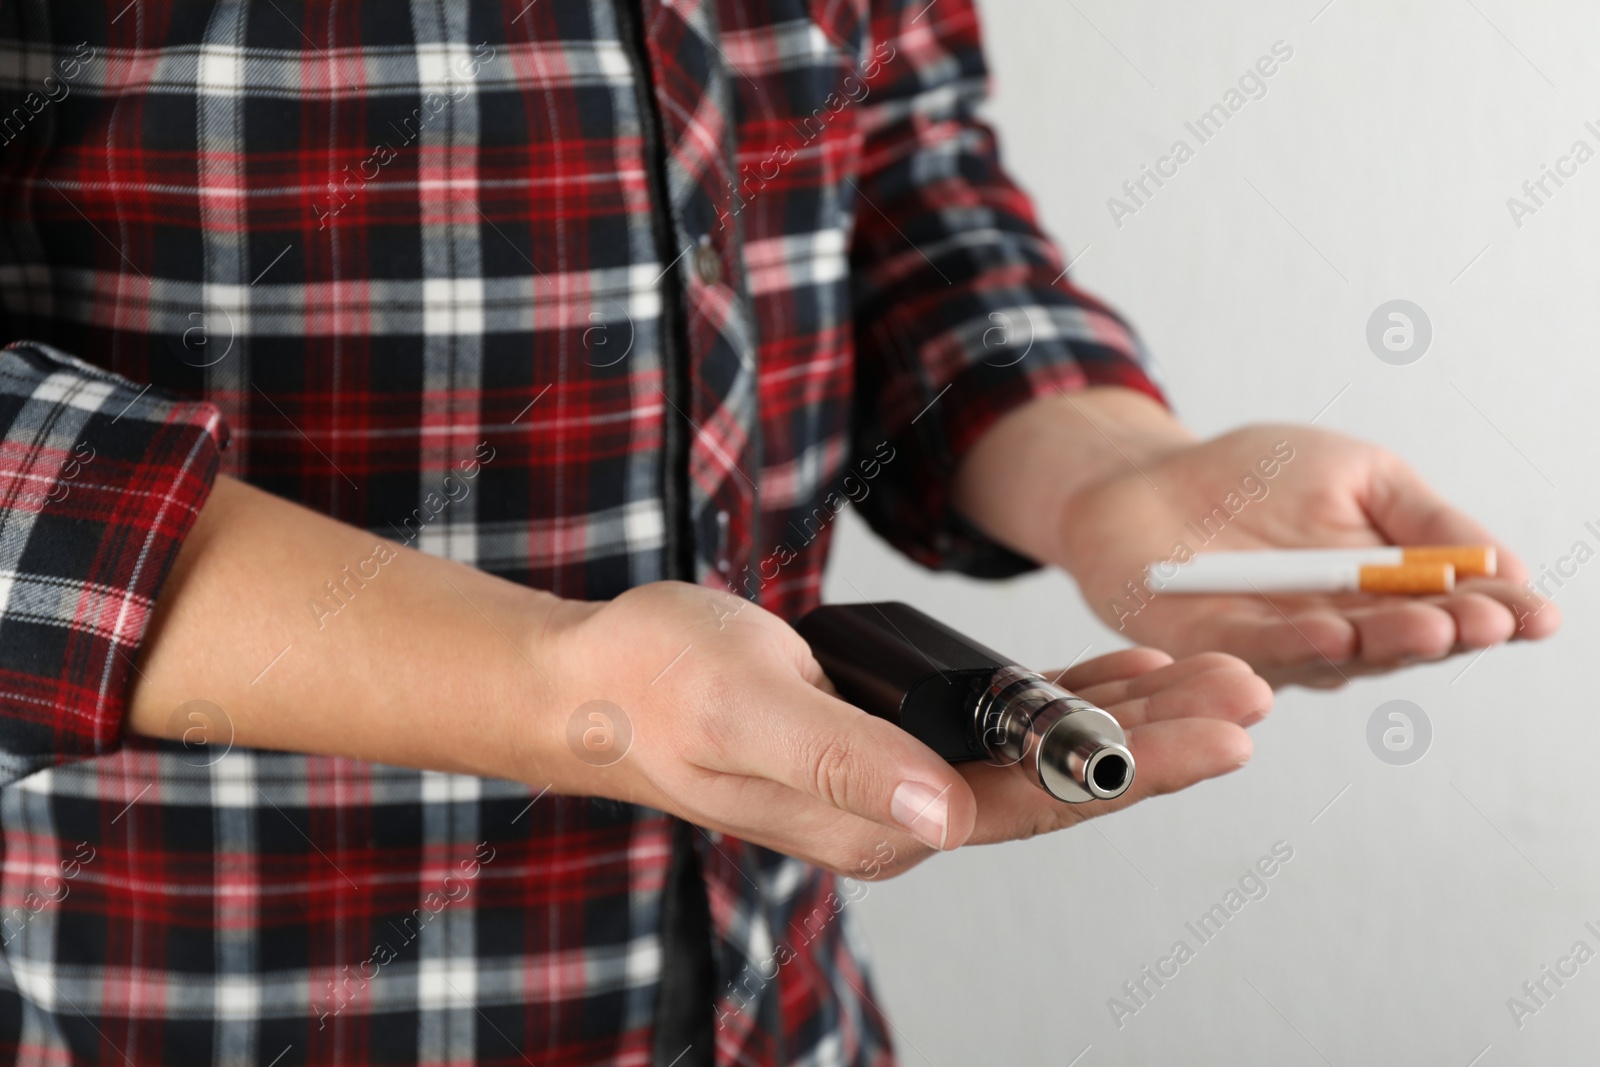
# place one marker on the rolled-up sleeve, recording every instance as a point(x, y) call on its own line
point(101, 479)
point(963, 311)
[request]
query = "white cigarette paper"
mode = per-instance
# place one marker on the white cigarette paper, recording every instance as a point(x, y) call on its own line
point(1315, 570)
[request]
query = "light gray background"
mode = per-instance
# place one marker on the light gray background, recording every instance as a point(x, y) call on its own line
point(1426, 895)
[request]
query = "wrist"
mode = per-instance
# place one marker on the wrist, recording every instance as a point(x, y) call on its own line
point(545, 638)
point(1020, 482)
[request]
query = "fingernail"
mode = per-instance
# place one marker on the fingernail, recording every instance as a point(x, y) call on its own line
point(923, 811)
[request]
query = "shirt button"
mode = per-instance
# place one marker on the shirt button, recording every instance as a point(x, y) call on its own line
point(722, 541)
point(708, 264)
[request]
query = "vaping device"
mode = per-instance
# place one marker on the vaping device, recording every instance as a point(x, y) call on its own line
point(968, 702)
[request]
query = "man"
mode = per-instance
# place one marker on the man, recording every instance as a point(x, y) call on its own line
point(607, 309)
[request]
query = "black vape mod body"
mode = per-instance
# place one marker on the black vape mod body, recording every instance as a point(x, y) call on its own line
point(966, 701)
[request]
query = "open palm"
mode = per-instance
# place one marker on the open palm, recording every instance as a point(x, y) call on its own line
point(1324, 490)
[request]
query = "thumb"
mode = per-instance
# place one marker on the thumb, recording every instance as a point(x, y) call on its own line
point(817, 744)
point(1406, 510)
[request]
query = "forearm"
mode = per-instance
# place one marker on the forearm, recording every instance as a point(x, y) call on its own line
point(1017, 483)
point(314, 636)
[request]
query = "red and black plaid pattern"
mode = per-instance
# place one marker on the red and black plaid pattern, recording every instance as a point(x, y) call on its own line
point(99, 482)
point(695, 296)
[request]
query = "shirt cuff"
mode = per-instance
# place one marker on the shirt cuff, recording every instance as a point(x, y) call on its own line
point(100, 482)
point(916, 512)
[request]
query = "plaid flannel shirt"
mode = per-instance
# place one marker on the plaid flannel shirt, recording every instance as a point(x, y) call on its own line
point(679, 280)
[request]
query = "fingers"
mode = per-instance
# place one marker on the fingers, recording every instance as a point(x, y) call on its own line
point(1407, 511)
point(1169, 756)
point(1402, 631)
point(1480, 620)
point(1115, 692)
point(1211, 685)
point(1326, 647)
point(1332, 640)
point(1112, 667)
point(1395, 630)
point(1533, 617)
point(789, 732)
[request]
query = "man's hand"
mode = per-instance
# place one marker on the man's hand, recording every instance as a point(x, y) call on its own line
point(677, 696)
point(1150, 492)
point(1185, 723)
point(734, 727)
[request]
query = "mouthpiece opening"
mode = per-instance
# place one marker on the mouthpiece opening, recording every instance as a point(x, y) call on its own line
point(1109, 775)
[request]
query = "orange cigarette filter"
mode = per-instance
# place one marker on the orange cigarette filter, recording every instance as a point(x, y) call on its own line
point(1412, 579)
point(1470, 561)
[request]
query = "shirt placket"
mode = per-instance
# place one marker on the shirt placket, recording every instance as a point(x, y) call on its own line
point(720, 407)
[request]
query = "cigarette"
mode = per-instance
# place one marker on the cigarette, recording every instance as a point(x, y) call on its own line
point(1386, 569)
